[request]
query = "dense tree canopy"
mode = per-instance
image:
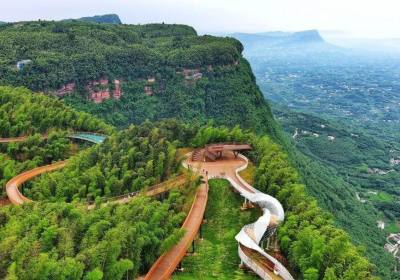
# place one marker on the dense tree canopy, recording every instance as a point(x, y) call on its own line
point(66, 241)
point(45, 240)
point(25, 113)
point(46, 122)
point(75, 51)
point(137, 157)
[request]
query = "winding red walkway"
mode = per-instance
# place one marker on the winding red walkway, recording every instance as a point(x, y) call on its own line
point(13, 139)
point(12, 186)
point(165, 265)
point(17, 198)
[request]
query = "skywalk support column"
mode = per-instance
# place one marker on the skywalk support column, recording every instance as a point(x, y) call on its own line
point(193, 247)
point(180, 268)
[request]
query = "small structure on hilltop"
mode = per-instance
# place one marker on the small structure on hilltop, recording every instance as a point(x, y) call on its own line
point(393, 245)
point(22, 63)
point(394, 161)
point(331, 138)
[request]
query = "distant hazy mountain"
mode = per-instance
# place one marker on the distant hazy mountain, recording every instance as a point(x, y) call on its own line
point(109, 18)
point(280, 39)
point(2, 22)
point(284, 43)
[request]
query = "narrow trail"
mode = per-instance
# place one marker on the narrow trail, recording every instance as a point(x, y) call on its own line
point(17, 198)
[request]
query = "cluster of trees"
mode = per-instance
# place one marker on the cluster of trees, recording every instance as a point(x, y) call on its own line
point(66, 241)
point(23, 112)
point(76, 51)
point(40, 150)
point(129, 161)
point(35, 151)
point(314, 246)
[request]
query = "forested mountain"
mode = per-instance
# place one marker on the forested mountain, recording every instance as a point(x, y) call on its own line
point(283, 43)
point(110, 18)
point(165, 71)
point(279, 39)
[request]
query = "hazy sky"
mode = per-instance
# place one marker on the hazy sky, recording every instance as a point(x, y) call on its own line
point(361, 18)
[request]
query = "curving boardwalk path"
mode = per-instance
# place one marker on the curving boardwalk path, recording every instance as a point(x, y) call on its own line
point(13, 139)
point(251, 254)
point(12, 186)
point(167, 263)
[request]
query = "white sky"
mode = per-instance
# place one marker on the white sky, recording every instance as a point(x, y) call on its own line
point(360, 18)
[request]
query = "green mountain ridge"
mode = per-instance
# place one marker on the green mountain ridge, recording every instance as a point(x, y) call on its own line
point(133, 54)
point(101, 19)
